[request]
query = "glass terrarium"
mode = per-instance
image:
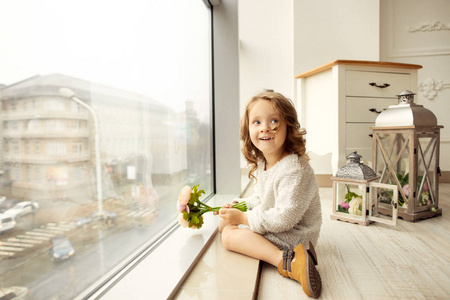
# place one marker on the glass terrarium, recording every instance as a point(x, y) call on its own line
point(406, 154)
point(357, 194)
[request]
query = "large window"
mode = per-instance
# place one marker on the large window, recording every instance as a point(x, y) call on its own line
point(105, 115)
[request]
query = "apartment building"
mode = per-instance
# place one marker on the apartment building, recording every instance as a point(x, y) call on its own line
point(49, 147)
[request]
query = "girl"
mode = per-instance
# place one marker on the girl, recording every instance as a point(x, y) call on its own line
point(284, 215)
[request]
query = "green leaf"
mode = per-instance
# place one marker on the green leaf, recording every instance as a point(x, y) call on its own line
point(341, 209)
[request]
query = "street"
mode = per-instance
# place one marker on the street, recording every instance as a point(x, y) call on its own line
point(99, 246)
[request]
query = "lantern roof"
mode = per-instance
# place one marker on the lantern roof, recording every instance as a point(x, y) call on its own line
point(354, 169)
point(406, 113)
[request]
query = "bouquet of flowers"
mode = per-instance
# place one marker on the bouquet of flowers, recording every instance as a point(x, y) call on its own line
point(191, 209)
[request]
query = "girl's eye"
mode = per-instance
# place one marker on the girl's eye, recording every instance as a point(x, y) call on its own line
point(274, 121)
point(256, 122)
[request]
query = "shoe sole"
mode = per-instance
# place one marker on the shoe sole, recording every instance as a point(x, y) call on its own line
point(311, 283)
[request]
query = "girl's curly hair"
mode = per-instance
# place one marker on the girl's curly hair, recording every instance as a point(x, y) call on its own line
point(294, 143)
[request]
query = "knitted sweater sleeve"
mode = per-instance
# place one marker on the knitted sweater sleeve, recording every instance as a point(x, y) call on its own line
point(292, 197)
point(250, 201)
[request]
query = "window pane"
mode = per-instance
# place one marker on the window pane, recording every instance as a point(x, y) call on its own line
point(106, 115)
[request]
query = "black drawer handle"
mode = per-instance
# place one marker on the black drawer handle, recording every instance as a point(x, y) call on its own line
point(374, 110)
point(371, 135)
point(384, 85)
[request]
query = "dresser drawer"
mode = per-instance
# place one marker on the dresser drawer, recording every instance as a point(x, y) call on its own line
point(357, 135)
point(358, 109)
point(357, 139)
point(358, 84)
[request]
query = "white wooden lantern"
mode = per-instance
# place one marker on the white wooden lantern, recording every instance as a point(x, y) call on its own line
point(406, 153)
point(356, 194)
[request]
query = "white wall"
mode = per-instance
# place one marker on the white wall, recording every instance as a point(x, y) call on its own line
point(408, 36)
point(266, 51)
point(327, 30)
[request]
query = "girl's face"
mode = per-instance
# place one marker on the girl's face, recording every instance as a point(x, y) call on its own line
point(263, 118)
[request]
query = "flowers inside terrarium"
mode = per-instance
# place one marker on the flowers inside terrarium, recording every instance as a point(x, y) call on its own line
point(423, 199)
point(352, 203)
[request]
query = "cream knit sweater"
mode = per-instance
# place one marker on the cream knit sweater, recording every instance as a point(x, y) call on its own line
point(285, 207)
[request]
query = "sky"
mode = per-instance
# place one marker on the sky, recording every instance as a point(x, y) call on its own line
point(151, 47)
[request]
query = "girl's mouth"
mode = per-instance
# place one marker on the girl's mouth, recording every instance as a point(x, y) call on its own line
point(265, 138)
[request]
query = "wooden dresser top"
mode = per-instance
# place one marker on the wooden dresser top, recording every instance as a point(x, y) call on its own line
point(358, 63)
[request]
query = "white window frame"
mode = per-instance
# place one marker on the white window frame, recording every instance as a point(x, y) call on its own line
point(142, 277)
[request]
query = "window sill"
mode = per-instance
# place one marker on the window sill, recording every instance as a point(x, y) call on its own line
point(160, 274)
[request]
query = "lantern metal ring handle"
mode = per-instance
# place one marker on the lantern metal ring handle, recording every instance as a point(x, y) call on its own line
point(384, 85)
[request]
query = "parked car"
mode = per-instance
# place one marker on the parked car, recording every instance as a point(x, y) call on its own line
point(22, 208)
point(60, 248)
point(7, 204)
point(106, 215)
point(82, 221)
point(14, 293)
point(6, 222)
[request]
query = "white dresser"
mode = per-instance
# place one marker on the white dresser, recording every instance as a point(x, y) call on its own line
point(339, 102)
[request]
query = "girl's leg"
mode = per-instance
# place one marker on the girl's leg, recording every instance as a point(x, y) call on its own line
point(301, 268)
point(222, 225)
point(249, 243)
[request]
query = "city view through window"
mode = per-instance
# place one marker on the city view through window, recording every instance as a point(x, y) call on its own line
point(105, 114)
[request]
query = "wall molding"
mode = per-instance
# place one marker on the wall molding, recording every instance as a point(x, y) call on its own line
point(429, 26)
point(430, 87)
point(418, 48)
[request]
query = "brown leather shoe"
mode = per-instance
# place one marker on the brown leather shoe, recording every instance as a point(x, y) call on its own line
point(299, 265)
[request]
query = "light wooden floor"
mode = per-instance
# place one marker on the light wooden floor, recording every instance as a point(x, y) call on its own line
point(409, 261)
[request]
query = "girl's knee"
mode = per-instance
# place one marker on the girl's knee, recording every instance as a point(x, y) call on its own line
point(227, 236)
point(222, 225)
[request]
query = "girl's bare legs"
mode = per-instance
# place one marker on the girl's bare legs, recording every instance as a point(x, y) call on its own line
point(249, 243)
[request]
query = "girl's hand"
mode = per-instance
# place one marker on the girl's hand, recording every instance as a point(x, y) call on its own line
point(233, 216)
point(226, 205)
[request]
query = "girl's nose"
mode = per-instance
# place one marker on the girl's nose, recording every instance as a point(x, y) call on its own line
point(265, 130)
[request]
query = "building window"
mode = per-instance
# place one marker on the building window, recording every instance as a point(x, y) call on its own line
point(15, 147)
point(14, 125)
point(56, 148)
point(77, 148)
point(78, 174)
point(55, 125)
point(38, 170)
point(15, 173)
point(27, 147)
point(136, 79)
point(37, 148)
point(34, 125)
point(54, 104)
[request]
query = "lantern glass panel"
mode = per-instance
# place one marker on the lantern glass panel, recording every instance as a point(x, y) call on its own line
point(383, 195)
point(393, 153)
point(426, 179)
point(349, 198)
